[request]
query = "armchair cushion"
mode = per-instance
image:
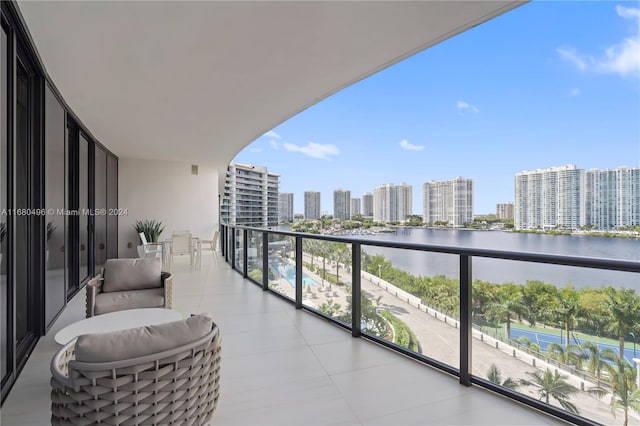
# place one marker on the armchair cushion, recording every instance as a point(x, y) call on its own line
point(141, 341)
point(131, 274)
point(120, 300)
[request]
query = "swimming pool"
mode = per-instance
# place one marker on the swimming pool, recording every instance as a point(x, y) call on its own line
point(289, 273)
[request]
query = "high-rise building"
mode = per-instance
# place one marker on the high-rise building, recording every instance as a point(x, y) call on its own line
point(549, 198)
point(285, 207)
point(504, 210)
point(392, 203)
point(312, 205)
point(612, 197)
point(355, 207)
point(342, 204)
point(448, 201)
point(250, 196)
point(367, 204)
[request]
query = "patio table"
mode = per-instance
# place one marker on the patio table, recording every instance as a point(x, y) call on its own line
point(114, 321)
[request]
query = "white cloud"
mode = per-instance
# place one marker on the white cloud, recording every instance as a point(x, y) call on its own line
point(274, 144)
point(314, 150)
point(255, 150)
point(621, 58)
point(273, 135)
point(570, 55)
point(410, 147)
point(462, 105)
point(627, 12)
point(575, 92)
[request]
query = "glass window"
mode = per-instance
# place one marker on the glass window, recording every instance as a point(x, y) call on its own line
point(112, 203)
point(83, 185)
point(55, 170)
point(21, 201)
point(3, 204)
point(100, 238)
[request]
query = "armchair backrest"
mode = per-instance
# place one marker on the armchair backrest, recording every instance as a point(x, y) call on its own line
point(181, 244)
point(131, 274)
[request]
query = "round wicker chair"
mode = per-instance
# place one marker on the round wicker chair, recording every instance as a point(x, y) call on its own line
point(179, 386)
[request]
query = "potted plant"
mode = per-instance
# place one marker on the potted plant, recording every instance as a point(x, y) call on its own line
point(151, 229)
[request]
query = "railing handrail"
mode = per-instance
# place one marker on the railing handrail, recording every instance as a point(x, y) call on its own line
point(554, 259)
point(465, 322)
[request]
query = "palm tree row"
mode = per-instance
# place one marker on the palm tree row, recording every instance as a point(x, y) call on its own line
point(624, 393)
point(604, 311)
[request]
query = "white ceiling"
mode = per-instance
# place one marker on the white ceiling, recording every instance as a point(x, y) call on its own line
point(199, 81)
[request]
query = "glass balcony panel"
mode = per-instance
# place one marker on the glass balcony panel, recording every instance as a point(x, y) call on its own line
point(254, 256)
point(554, 333)
point(327, 278)
point(237, 261)
point(419, 312)
point(282, 265)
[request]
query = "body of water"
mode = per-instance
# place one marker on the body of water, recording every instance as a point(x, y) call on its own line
point(503, 271)
point(289, 273)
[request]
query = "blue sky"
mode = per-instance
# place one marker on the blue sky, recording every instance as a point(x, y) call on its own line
point(548, 84)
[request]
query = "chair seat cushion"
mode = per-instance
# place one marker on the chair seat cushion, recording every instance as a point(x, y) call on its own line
point(141, 341)
point(131, 274)
point(121, 300)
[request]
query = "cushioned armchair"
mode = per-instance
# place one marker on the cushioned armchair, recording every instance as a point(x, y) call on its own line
point(129, 284)
point(156, 375)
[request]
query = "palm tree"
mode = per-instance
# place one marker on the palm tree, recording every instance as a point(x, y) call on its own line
point(508, 305)
point(596, 357)
point(567, 309)
point(624, 313)
point(572, 355)
point(626, 394)
point(310, 246)
point(330, 308)
point(553, 385)
point(324, 250)
point(495, 376)
point(340, 255)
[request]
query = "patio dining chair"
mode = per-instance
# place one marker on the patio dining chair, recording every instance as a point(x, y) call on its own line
point(150, 250)
point(181, 245)
point(211, 244)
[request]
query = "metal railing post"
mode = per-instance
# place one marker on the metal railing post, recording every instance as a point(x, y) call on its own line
point(466, 330)
point(265, 261)
point(356, 289)
point(245, 249)
point(298, 272)
point(233, 248)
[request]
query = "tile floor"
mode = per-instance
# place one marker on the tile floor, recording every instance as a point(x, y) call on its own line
point(287, 367)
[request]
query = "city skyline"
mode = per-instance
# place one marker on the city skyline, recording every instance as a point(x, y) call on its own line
point(461, 109)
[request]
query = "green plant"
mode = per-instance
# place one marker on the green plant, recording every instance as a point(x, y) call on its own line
point(51, 228)
point(151, 228)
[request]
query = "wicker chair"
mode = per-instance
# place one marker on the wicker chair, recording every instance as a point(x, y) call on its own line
point(129, 284)
point(175, 386)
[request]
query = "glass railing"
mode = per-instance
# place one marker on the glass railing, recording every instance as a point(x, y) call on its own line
point(563, 348)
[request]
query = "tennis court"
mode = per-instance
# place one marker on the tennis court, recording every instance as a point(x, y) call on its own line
point(545, 339)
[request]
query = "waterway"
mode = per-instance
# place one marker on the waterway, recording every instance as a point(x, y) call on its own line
point(503, 271)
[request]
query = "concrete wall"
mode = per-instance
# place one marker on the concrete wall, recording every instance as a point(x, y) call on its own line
point(169, 192)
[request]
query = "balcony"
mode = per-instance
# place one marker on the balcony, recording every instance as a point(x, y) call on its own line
point(286, 366)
